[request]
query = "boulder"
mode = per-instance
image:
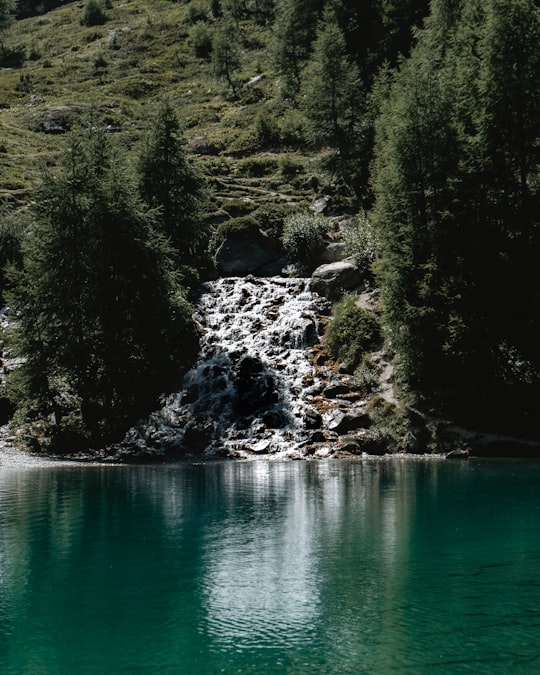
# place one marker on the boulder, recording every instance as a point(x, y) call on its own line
point(332, 279)
point(342, 423)
point(249, 253)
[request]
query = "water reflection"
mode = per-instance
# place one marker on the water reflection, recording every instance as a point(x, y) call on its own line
point(326, 567)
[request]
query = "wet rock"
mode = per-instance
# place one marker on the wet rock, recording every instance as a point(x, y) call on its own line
point(458, 454)
point(197, 436)
point(336, 390)
point(274, 419)
point(256, 386)
point(341, 423)
point(352, 447)
point(312, 420)
point(260, 447)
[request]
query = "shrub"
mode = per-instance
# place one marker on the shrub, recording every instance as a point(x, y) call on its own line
point(94, 13)
point(361, 242)
point(267, 129)
point(304, 237)
point(257, 167)
point(197, 11)
point(290, 167)
point(200, 38)
point(244, 225)
point(352, 332)
point(366, 375)
point(271, 218)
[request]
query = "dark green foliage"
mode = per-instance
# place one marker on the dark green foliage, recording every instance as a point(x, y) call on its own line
point(331, 95)
point(294, 30)
point(352, 332)
point(12, 226)
point(200, 37)
point(256, 167)
point(7, 14)
point(457, 206)
point(100, 318)
point(171, 181)
point(226, 54)
point(271, 219)
point(31, 7)
point(237, 227)
point(94, 13)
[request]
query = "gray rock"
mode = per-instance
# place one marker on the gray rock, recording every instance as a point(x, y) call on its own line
point(329, 280)
point(341, 423)
point(320, 204)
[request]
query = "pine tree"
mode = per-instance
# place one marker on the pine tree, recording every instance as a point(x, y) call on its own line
point(294, 28)
point(457, 195)
point(100, 318)
point(332, 98)
point(226, 54)
point(7, 14)
point(171, 181)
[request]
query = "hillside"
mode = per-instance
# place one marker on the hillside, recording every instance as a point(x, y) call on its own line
point(56, 71)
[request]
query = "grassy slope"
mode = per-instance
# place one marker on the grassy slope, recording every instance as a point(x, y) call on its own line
point(146, 48)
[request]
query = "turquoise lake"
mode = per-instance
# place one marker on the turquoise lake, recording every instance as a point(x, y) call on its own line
point(383, 566)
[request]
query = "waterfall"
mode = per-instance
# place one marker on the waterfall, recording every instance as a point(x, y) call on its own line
point(251, 388)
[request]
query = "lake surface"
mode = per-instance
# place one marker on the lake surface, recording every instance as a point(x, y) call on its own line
point(384, 566)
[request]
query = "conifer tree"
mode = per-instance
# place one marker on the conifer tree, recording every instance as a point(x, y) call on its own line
point(295, 28)
point(457, 194)
point(332, 98)
point(225, 54)
point(7, 14)
point(171, 181)
point(99, 316)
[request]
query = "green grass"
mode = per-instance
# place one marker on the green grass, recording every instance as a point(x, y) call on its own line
point(120, 69)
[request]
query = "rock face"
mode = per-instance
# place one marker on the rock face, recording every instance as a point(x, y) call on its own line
point(249, 253)
point(331, 279)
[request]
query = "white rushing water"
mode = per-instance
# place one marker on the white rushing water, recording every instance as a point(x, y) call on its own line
point(250, 389)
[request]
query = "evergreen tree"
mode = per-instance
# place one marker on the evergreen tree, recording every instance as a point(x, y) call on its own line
point(457, 196)
point(99, 316)
point(226, 54)
point(171, 181)
point(332, 100)
point(7, 14)
point(294, 29)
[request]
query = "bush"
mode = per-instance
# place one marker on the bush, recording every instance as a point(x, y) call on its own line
point(366, 375)
point(12, 226)
point(244, 225)
point(352, 332)
point(257, 167)
point(197, 11)
point(94, 13)
point(361, 242)
point(304, 237)
point(267, 129)
point(271, 219)
point(200, 38)
point(290, 168)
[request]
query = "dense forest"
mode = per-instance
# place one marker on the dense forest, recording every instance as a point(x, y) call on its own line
point(127, 129)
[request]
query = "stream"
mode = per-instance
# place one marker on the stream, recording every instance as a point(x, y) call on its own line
point(257, 387)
